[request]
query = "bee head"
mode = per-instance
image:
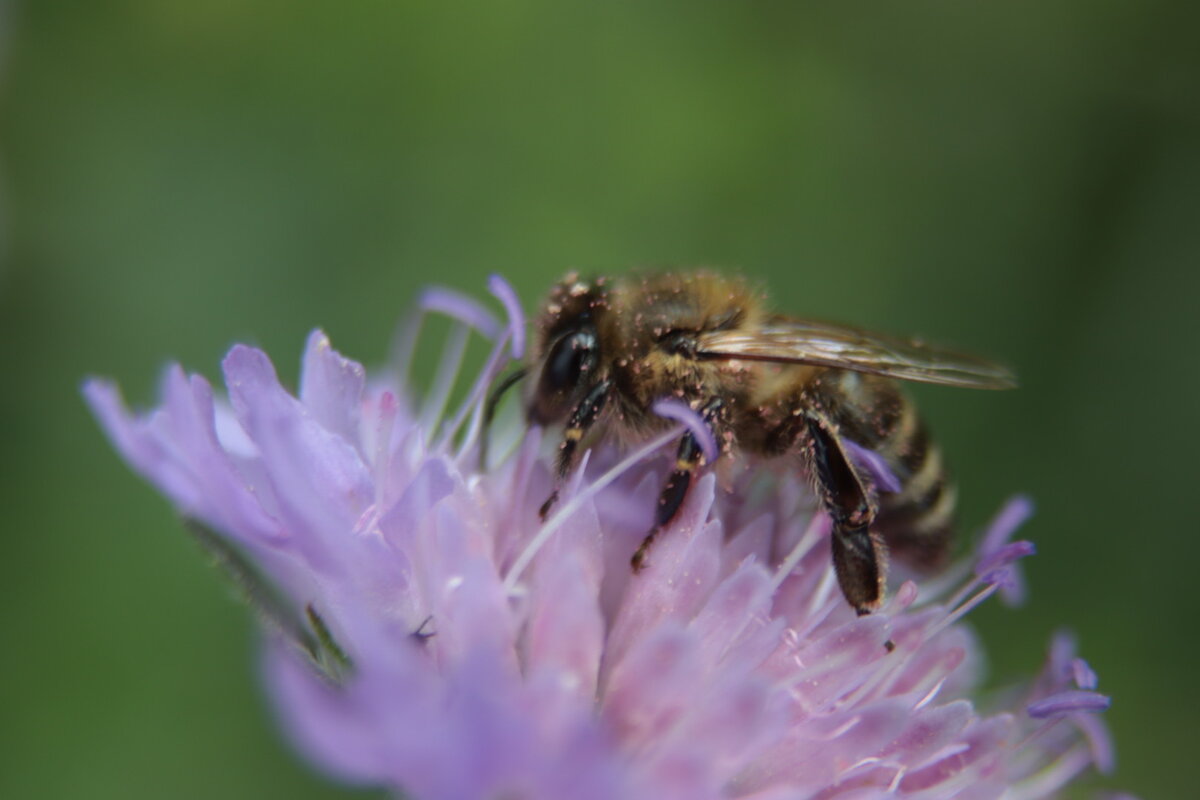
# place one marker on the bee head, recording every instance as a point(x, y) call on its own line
point(568, 348)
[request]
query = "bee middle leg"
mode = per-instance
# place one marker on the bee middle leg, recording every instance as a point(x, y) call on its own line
point(688, 459)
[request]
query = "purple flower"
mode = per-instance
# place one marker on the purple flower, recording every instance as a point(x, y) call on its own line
point(427, 633)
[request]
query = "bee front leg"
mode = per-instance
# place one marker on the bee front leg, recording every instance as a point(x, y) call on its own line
point(583, 416)
point(859, 556)
point(688, 459)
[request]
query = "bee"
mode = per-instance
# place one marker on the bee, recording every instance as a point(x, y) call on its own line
point(767, 386)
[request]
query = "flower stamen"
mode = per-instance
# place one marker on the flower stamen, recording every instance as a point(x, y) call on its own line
point(434, 405)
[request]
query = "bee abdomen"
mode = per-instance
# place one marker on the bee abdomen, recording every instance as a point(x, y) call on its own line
point(918, 521)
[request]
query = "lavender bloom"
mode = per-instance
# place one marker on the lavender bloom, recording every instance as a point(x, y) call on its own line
point(436, 638)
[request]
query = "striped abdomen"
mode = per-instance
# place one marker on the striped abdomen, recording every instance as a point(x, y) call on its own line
point(918, 521)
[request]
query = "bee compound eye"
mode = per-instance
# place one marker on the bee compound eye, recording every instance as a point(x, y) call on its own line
point(565, 371)
point(571, 356)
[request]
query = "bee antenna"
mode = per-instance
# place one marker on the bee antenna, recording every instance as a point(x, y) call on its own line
point(490, 406)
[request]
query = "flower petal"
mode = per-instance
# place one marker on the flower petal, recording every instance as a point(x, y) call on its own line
point(321, 484)
point(331, 388)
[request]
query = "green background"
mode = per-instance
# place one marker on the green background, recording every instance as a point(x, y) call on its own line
point(1018, 178)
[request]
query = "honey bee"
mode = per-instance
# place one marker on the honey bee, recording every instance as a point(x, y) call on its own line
point(768, 386)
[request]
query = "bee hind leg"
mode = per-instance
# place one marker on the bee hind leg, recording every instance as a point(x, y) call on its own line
point(583, 416)
point(859, 555)
point(688, 459)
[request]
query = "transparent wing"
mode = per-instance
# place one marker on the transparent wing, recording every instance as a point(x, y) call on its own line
point(798, 341)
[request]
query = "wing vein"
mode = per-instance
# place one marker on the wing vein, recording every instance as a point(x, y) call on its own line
point(821, 344)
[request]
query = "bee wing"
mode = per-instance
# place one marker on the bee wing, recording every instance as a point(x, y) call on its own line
point(797, 341)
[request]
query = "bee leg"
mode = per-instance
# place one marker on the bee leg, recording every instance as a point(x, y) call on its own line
point(688, 459)
point(584, 415)
point(489, 410)
point(859, 556)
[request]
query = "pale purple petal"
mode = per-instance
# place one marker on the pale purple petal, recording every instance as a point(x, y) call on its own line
point(818, 750)
point(433, 482)
point(565, 635)
point(731, 609)
point(929, 731)
point(331, 388)
point(176, 447)
point(136, 442)
point(685, 566)
point(977, 754)
point(652, 685)
point(323, 722)
point(319, 481)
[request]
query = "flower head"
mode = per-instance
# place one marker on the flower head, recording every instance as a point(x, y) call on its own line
point(428, 633)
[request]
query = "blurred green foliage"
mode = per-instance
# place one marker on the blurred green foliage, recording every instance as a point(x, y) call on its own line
point(1018, 178)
